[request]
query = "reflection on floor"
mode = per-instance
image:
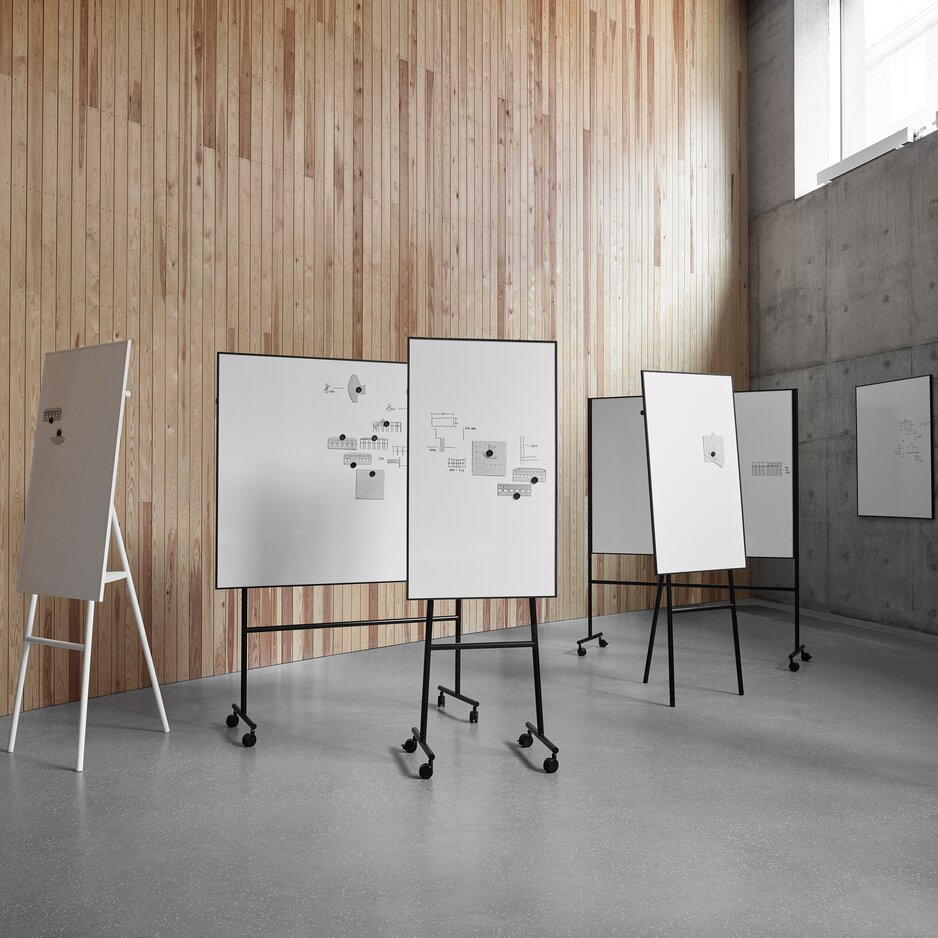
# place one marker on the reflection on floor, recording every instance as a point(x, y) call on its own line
point(807, 807)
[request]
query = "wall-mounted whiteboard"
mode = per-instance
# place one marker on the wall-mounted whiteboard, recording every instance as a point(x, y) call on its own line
point(620, 511)
point(311, 472)
point(894, 449)
point(693, 468)
point(482, 437)
point(765, 430)
point(73, 472)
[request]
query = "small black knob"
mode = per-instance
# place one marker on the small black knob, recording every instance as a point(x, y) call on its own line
point(372, 473)
point(341, 436)
point(516, 496)
point(374, 437)
point(58, 432)
point(358, 390)
point(533, 480)
point(353, 464)
point(488, 452)
point(387, 423)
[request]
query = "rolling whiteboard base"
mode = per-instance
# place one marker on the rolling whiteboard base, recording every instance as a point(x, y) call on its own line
point(418, 737)
point(664, 581)
point(85, 648)
point(239, 711)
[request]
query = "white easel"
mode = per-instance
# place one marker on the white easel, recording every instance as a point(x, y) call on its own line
point(70, 514)
point(29, 640)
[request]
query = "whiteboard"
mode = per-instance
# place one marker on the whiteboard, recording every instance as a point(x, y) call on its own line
point(620, 511)
point(693, 469)
point(765, 429)
point(73, 472)
point(311, 471)
point(482, 437)
point(894, 449)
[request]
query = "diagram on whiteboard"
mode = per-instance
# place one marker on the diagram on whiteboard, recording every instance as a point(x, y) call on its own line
point(769, 469)
point(910, 437)
point(53, 415)
point(460, 451)
point(369, 444)
point(713, 449)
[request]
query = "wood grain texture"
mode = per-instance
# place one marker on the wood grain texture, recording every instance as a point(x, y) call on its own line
point(329, 177)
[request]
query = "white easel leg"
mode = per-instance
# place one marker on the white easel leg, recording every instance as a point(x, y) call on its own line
point(85, 676)
point(21, 681)
point(138, 616)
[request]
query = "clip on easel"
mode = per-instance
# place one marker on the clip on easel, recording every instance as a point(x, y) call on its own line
point(70, 514)
point(532, 731)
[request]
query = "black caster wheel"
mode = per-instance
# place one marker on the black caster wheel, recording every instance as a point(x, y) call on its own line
point(805, 656)
point(793, 666)
point(441, 700)
point(550, 765)
point(426, 770)
point(603, 643)
point(525, 740)
point(473, 716)
point(248, 740)
point(409, 745)
point(232, 720)
point(580, 650)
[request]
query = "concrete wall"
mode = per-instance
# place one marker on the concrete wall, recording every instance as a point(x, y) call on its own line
point(843, 292)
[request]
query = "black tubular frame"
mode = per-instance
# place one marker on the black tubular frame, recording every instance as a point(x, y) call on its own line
point(240, 710)
point(795, 588)
point(533, 731)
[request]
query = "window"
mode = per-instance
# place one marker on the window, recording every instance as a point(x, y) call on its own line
point(888, 69)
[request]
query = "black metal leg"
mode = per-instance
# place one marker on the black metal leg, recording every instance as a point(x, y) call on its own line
point(425, 698)
point(458, 640)
point(590, 635)
point(537, 732)
point(241, 712)
point(654, 627)
point(457, 690)
point(670, 642)
point(739, 666)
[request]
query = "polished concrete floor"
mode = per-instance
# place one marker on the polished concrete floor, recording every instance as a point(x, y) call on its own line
point(807, 807)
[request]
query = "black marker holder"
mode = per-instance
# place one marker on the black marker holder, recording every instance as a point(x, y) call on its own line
point(239, 711)
point(531, 732)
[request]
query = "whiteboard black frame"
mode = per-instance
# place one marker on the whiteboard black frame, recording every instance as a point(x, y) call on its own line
point(553, 342)
point(931, 460)
point(328, 358)
point(651, 485)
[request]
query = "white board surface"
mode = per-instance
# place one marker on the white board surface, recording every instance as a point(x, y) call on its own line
point(765, 433)
point(73, 472)
point(697, 512)
point(482, 427)
point(297, 441)
point(620, 510)
point(894, 449)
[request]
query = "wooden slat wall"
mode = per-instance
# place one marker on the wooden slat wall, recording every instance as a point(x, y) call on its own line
point(327, 177)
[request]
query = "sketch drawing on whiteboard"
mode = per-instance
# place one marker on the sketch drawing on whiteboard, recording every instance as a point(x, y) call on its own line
point(713, 449)
point(512, 490)
point(533, 476)
point(342, 442)
point(770, 468)
point(528, 448)
point(489, 457)
point(909, 435)
point(355, 388)
point(357, 459)
point(443, 424)
point(369, 484)
point(400, 456)
point(373, 442)
point(454, 464)
point(329, 388)
point(389, 426)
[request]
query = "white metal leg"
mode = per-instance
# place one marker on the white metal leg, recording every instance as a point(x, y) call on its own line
point(21, 681)
point(138, 617)
point(85, 676)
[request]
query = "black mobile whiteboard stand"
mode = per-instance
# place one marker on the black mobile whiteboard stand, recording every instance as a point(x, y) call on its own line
point(240, 711)
point(795, 588)
point(664, 580)
point(526, 739)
